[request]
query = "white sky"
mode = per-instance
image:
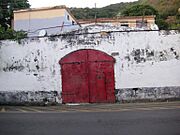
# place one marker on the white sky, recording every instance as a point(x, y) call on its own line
point(74, 3)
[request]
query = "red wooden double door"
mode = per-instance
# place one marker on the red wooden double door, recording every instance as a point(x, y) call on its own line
point(87, 77)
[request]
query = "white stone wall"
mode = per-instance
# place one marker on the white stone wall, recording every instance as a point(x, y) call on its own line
point(143, 59)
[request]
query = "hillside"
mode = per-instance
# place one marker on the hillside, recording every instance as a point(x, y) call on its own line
point(167, 9)
point(104, 12)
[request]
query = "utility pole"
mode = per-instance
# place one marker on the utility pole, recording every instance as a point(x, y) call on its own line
point(95, 17)
point(143, 23)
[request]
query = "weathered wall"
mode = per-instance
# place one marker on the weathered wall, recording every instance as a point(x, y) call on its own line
point(147, 64)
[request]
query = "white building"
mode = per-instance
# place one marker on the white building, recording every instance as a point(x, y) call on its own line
point(44, 21)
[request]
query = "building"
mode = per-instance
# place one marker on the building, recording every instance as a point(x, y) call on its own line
point(42, 21)
point(147, 22)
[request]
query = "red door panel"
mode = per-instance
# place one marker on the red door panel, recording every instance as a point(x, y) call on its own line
point(78, 56)
point(97, 84)
point(94, 56)
point(75, 83)
point(87, 76)
point(101, 85)
point(108, 68)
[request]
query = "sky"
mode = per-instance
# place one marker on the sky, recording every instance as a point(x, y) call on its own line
point(74, 3)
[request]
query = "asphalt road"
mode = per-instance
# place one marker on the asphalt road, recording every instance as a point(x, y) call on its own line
point(134, 122)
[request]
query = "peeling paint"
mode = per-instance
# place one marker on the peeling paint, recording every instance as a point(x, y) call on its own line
point(144, 59)
point(152, 93)
point(19, 97)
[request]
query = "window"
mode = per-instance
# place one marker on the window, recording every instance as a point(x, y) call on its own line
point(125, 25)
point(141, 23)
point(73, 22)
point(68, 17)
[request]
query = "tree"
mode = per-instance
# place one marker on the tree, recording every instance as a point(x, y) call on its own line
point(139, 10)
point(6, 15)
point(162, 24)
point(6, 10)
point(11, 34)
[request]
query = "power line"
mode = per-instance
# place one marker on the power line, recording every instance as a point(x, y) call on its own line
point(59, 26)
point(91, 33)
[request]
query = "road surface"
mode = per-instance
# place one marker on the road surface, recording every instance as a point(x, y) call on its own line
point(98, 120)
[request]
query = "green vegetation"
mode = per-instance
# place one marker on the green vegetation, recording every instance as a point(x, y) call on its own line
point(166, 11)
point(140, 10)
point(6, 16)
point(105, 12)
point(11, 34)
point(169, 17)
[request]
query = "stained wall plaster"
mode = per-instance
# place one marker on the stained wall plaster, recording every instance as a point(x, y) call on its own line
point(148, 60)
